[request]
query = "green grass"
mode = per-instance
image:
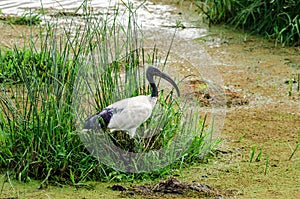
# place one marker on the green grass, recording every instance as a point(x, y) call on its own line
point(296, 147)
point(253, 153)
point(25, 19)
point(267, 164)
point(278, 20)
point(41, 102)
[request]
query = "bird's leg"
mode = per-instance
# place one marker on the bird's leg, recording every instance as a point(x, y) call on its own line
point(131, 132)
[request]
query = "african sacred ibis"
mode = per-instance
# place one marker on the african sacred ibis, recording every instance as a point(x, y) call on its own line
point(128, 114)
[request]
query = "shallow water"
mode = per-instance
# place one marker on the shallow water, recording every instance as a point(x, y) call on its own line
point(17, 7)
point(157, 21)
point(149, 15)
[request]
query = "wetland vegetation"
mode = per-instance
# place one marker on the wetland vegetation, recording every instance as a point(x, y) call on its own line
point(278, 20)
point(39, 91)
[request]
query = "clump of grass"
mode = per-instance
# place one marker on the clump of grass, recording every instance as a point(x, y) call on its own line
point(252, 154)
point(38, 134)
point(25, 19)
point(37, 122)
point(40, 105)
point(11, 60)
point(267, 164)
point(276, 19)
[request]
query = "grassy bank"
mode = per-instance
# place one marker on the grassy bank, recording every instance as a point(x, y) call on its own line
point(277, 20)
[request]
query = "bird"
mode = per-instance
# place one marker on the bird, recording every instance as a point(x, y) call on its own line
point(129, 113)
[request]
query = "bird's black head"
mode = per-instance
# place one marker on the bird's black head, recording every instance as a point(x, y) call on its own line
point(153, 71)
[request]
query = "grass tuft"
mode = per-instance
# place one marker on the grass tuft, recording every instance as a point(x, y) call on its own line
point(28, 19)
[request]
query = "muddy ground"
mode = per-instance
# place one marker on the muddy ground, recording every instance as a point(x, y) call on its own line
point(271, 120)
point(258, 70)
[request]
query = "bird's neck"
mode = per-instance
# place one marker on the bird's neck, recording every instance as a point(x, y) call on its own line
point(154, 90)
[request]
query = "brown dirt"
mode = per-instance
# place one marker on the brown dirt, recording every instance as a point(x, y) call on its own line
point(172, 187)
point(266, 115)
point(11, 35)
point(271, 120)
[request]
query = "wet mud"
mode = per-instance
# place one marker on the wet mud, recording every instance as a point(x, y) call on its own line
point(171, 188)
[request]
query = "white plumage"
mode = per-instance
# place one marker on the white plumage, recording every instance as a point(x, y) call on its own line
point(128, 114)
point(135, 111)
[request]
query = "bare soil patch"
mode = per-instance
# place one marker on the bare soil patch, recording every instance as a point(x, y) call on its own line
point(269, 121)
point(171, 188)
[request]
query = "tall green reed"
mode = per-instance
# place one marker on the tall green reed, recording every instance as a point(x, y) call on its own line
point(38, 131)
point(278, 20)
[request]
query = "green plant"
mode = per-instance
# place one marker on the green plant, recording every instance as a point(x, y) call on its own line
point(276, 19)
point(24, 19)
point(218, 11)
point(38, 131)
point(241, 138)
point(296, 147)
point(258, 157)
point(267, 164)
point(253, 153)
point(258, 80)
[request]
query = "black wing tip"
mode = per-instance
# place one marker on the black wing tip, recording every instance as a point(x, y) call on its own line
point(99, 120)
